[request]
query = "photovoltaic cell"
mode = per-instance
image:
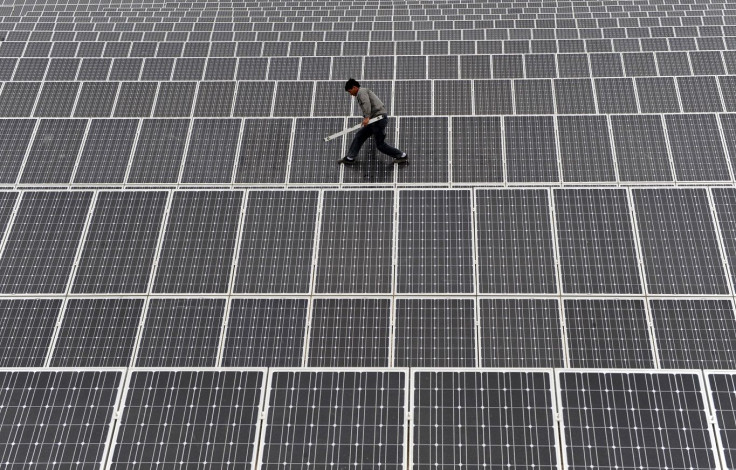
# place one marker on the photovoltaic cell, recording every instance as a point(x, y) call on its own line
point(277, 242)
point(293, 99)
point(97, 333)
point(335, 418)
point(54, 151)
point(57, 418)
point(181, 333)
point(435, 333)
point(696, 146)
point(212, 147)
point(330, 99)
point(26, 328)
point(264, 141)
point(596, 242)
point(615, 95)
point(435, 237)
point(699, 94)
point(254, 99)
point(15, 135)
point(453, 97)
point(356, 240)
point(189, 418)
point(160, 148)
point(18, 98)
point(678, 241)
point(349, 333)
point(531, 155)
point(634, 420)
point(694, 333)
point(520, 333)
point(483, 419)
point(121, 240)
point(412, 98)
point(199, 242)
point(107, 150)
point(641, 149)
point(515, 253)
point(43, 241)
point(265, 333)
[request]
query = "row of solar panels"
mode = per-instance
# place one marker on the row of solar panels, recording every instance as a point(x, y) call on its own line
point(698, 94)
point(370, 419)
point(462, 63)
point(484, 241)
point(368, 332)
point(471, 150)
point(267, 48)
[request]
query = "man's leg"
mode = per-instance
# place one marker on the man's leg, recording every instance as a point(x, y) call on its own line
point(358, 140)
point(379, 135)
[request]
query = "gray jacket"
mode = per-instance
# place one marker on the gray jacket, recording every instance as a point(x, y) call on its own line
point(369, 103)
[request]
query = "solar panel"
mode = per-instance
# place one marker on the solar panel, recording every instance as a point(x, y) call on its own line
point(678, 241)
point(264, 141)
point(722, 390)
point(184, 418)
point(349, 333)
point(135, 99)
point(199, 242)
point(493, 97)
point(533, 97)
point(265, 333)
point(312, 159)
point(159, 151)
point(181, 333)
point(574, 96)
point(26, 330)
point(641, 148)
point(697, 152)
point(596, 242)
point(212, 145)
point(335, 418)
point(520, 333)
point(54, 151)
point(453, 97)
point(106, 152)
point(435, 333)
point(56, 99)
point(120, 243)
point(15, 135)
point(515, 253)
point(531, 154)
point(18, 99)
point(481, 419)
point(694, 333)
point(585, 149)
point(615, 95)
point(97, 333)
point(476, 150)
point(214, 99)
point(278, 239)
point(356, 242)
point(96, 99)
point(428, 139)
point(174, 99)
point(634, 420)
point(57, 418)
point(48, 226)
point(434, 242)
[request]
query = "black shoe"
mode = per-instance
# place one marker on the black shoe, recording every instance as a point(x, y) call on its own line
point(346, 161)
point(404, 158)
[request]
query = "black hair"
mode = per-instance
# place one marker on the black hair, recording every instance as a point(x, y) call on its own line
point(351, 83)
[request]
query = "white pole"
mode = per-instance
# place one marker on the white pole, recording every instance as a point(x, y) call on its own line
point(351, 129)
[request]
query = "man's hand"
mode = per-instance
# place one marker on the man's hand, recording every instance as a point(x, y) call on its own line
point(365, 121)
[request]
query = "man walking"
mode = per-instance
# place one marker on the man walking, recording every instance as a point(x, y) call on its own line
point(371, 107)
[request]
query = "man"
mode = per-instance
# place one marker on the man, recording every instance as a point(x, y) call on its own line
point(371, 107)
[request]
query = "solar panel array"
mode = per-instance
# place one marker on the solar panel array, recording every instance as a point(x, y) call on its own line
point(188, 278)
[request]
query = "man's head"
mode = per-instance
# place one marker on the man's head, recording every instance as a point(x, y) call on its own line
point(352, 86)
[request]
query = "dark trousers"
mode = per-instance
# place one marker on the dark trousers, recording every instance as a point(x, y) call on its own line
point(378, 131)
